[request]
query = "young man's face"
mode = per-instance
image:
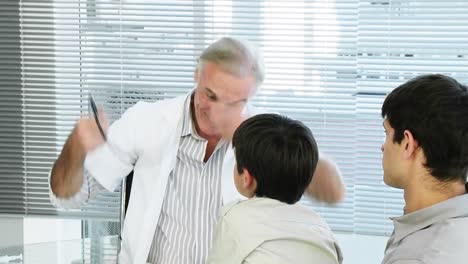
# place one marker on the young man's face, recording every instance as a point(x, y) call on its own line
point(220, 101)
point(391, 161)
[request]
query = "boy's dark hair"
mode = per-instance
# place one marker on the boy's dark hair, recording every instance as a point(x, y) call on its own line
point(434, 108)
point(280, 153)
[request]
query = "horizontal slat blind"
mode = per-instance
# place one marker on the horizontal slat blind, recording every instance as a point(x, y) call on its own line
point(398, 40)
point(11, 138)
point(329, 64)
point(309, 49)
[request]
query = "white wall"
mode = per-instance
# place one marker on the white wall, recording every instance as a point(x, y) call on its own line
point(11, 231)
point(43, 230)
point(40, 230)
point(360, 249)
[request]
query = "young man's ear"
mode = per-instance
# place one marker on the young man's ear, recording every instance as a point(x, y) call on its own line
point(410, 144)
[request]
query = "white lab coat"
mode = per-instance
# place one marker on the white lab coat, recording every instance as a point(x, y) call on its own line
point(146, 139)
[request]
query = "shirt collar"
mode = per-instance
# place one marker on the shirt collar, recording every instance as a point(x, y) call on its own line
point(410, 223)
point(187, 125)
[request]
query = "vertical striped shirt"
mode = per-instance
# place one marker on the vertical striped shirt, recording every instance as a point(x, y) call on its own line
point(192, 201)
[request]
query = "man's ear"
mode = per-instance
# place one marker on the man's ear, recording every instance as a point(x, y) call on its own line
point(196, 74)
point(410, 145)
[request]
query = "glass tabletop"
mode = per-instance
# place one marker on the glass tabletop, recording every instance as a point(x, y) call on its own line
point(79, 251)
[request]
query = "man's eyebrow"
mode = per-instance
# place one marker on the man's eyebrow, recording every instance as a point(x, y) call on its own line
point(239, 101)
point(211, 92)
point(231, 103)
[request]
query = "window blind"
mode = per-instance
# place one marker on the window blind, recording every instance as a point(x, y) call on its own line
point(329, 64)
point(398, 40)
point(11, 155)
point(309, 49)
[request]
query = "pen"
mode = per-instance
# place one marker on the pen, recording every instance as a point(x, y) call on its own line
point(95, 113)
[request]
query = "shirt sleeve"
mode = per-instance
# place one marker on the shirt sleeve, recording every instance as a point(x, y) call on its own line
point(279, 251)
point(222, 250)
point(89, 189)
point(114, 160)
point(225, 248)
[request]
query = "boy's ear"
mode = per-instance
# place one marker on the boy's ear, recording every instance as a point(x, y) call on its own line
point(249, 184)
point(246, 179)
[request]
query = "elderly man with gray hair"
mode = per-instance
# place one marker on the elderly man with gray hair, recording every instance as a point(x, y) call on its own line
point(179, 150)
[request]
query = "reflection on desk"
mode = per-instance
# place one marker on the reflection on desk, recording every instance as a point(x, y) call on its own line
point(96, 250)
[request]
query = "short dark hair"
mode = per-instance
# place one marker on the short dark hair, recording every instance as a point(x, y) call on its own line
point(434, 108)
point(279, 152)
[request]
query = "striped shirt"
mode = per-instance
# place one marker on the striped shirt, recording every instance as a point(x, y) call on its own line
point(192, 201)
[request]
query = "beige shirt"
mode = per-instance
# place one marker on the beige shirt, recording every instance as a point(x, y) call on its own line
point(263, 230)
point(433, 235)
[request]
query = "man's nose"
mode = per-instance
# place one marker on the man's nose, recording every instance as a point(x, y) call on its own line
point(382, 147)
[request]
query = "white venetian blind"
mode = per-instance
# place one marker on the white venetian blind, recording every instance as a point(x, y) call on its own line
point(309, 49)
point(11, 138)
point(398, 40)
point(329, 64)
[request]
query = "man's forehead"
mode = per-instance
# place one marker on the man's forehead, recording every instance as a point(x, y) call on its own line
point(211, 70)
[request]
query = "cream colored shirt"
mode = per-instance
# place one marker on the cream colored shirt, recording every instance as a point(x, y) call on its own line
point(267, 231)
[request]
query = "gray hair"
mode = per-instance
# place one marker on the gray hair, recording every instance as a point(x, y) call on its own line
point(235, 57)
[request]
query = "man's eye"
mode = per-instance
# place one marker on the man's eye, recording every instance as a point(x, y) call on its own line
point(236, 104)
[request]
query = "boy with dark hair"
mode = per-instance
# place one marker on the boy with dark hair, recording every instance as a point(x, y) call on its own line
point(426, 154)
point(276, 158)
